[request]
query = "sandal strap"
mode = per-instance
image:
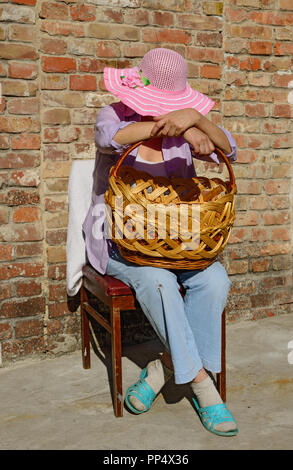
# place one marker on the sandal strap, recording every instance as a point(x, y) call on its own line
point(142, 391)
point(212, 415)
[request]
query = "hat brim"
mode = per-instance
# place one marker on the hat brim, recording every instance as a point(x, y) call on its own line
point(151, 101)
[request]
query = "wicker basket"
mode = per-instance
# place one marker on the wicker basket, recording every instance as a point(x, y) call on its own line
point(207, 204)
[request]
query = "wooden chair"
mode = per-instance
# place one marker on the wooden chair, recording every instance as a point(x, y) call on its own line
point(118, 296)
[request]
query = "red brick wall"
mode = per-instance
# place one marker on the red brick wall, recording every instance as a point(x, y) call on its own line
point(52, 57)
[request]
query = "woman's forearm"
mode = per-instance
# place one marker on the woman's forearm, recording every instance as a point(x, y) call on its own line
point(134, 133)
point(215, 134)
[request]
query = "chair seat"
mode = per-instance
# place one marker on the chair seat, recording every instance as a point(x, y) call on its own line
point(111, 286)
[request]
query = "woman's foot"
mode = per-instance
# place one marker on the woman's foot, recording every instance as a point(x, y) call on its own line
point(156, 376)
point(208, 396)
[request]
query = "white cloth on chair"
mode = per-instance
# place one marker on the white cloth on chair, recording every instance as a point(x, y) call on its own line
point(79, 199)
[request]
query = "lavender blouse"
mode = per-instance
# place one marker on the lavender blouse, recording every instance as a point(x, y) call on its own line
point(177, 158)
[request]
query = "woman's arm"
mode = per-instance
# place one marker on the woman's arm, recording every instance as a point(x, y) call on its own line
point(134, 133)
point(178, 122)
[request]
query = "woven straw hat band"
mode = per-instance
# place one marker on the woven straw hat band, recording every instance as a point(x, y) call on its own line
point(166, 69)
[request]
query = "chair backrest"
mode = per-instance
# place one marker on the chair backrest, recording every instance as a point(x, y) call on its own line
point(79, 199)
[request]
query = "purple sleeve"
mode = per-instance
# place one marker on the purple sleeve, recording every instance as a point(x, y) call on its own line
point(231, 156)
point(107, 125)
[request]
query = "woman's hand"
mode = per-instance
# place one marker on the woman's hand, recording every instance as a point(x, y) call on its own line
point(175, 123)
point(201, 143)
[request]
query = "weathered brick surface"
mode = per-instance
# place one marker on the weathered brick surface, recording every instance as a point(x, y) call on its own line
point(52, 55)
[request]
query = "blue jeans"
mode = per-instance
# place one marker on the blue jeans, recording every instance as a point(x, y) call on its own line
point(189, 327)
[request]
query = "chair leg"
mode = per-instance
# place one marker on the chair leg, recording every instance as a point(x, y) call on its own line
point(85, 331)
point(116, 361)
point(221, 377)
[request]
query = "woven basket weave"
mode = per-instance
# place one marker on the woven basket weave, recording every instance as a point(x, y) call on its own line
point(212, 200)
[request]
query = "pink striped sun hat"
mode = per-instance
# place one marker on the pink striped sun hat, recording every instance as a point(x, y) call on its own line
point(158, 86)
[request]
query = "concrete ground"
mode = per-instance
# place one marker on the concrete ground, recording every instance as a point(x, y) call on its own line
point(56, 404)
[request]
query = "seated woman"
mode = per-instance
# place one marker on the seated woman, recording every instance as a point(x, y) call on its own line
point(158, 106)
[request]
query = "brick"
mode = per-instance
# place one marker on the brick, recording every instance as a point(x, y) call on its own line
point(6, 251)
point(283, 110)
point(28, 289)
point(19, 348)
point(141, 17)
point(160, 18)
point(246, 218)
point(199, 22)
point(17, 14)
point(25, 177)
point(56, 237)
point(25, 2)
point(272, 249)
point(56, 169)
point(58, 64)
point(121, 32)
point(18, 124)
point(112, 49)
point(260, 47)
point(54, 327)
point(166, 35)
point(259, 234)
point(56, 254)
point(27, 328)
point(238, 267)
point(4, 142)
point(23, 106)
point(270, 18)
point(18, 51)
point(83, 12)
point(26, 214)
point(22, 33)
point(19, 88)
point(82, 47)
point(26, 141)
point(172, 5)
point(57, 11)
point(56, 116)
point(53, 46)
point(285, 4)
point(62, 28)
point(11, 270)
point(27, 308)
point(210, 71)
point(57, 272)
point(256, 110)
point(259, 265)
point(61, 309)
point(56, 152)
point(5, 331)
point(23, 232)
point(83, 82)
point(209, 39)
point(19, 160)
point(281, 262)
point(61, 135)
point(28, 249)
point(65, 99)
point(57, 292)
point(53, 82)
point(16, 197)
point(205, 54)
point(260, 300)
point(22, 70)
point(276, 186)
point(213, 8)
point(276, 218)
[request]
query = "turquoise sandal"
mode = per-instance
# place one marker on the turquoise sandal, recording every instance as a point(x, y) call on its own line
point(142, 391)
point(210, 416)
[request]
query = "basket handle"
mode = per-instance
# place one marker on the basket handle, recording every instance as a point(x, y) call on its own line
point(219, 152)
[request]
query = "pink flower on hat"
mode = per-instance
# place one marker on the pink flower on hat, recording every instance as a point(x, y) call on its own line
point(132, 78)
